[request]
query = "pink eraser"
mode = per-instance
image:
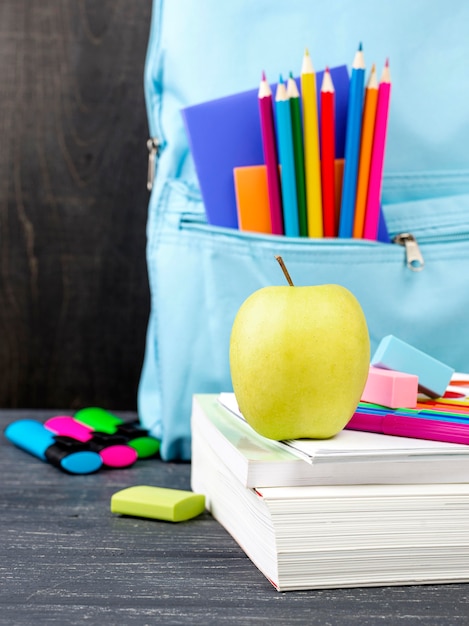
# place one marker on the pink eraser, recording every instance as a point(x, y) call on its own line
point(65, 425)
point(118, 456)
point(390, 388)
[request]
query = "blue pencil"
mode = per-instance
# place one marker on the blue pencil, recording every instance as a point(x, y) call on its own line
point(287, 161)
point(352, 145)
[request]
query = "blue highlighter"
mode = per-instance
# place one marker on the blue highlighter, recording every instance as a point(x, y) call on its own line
point(67, 454)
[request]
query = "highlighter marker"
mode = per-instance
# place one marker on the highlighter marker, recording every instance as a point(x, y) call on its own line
point(414, 426)
point(68, 427)
point(111, 448)
point(139, 439)
point(69, 456)
point(105, 422)
point(98, 419)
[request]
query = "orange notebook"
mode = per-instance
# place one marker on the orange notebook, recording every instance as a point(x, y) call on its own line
point(252, 198)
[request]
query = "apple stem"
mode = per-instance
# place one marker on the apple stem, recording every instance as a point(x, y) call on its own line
point(284, 270)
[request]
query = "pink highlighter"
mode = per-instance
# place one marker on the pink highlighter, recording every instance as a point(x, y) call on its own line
point(66, 426)
point(405, 426)
point(113, 452)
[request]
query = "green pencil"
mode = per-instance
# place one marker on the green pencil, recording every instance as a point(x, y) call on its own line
point(297, 130)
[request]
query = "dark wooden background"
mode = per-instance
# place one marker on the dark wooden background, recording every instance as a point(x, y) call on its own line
point(74, 295)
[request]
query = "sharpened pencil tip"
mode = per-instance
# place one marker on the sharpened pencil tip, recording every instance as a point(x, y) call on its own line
point(307, 64)
point(263, 75)
point(387, 62)
point(360, 47)
point(280, 79)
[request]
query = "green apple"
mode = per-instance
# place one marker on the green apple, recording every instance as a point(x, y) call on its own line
point(299, 360)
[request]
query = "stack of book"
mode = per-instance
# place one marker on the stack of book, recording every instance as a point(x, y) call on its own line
point(360, 509)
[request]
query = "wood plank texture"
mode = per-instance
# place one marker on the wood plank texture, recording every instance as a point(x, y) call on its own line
point(66, 559)
point(73, 284)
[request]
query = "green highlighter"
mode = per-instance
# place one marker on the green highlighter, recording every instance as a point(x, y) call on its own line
point(98, 419)
point(103, 421)
point(171, 505)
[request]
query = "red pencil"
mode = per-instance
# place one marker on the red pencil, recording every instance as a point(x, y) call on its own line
point(328, 155)
point(270, 156)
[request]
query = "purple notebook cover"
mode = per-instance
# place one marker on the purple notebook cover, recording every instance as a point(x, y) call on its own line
point(225, 133)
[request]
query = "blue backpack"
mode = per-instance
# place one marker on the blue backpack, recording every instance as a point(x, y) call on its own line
point(200, 274)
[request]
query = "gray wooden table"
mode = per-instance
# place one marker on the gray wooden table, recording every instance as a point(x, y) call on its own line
point(66, 559)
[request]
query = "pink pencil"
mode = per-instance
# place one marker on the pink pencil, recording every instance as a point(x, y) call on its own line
point(372, 211)
point(270, 156)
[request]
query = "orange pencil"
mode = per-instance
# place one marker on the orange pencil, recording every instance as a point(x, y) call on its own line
point(368, 128)
point(327, 126)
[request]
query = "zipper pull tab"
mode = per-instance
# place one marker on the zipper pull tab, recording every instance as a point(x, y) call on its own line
point(153, 146)
point(414, 258)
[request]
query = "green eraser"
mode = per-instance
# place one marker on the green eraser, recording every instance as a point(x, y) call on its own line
point(172, 505)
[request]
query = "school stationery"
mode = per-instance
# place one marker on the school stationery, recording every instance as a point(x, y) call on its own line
point(113, 449)
point(122, 442)
point(269, 146)
point(298, 153)
point(312, 160)
point(417, 427)
point(395, 354)
point(98, 419)
point(287, 161)
point(67, 454)
point(366, 145)
point(77, 447)
point(161, 503)
point(327, 134)
point(217, 130)
point(391, 388)
point(373, 198)
point(352, 145)
point(423, 409)
point(252, 198)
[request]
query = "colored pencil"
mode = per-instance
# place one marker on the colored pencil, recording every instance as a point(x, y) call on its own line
point(311, 148)
point(287, 161)
point(270, 156)
point(352, 144)
point(368, 126)
point(373, 199)
point(298, 152)
point(328, 154)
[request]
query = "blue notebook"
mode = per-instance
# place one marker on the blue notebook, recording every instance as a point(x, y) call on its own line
point(226, 133)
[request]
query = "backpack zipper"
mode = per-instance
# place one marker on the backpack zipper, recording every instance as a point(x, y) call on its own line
point(154, 147)
point(413, 255)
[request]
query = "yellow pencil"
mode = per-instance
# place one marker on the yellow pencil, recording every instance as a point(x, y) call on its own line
point(368, 126)
point(311, 148)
